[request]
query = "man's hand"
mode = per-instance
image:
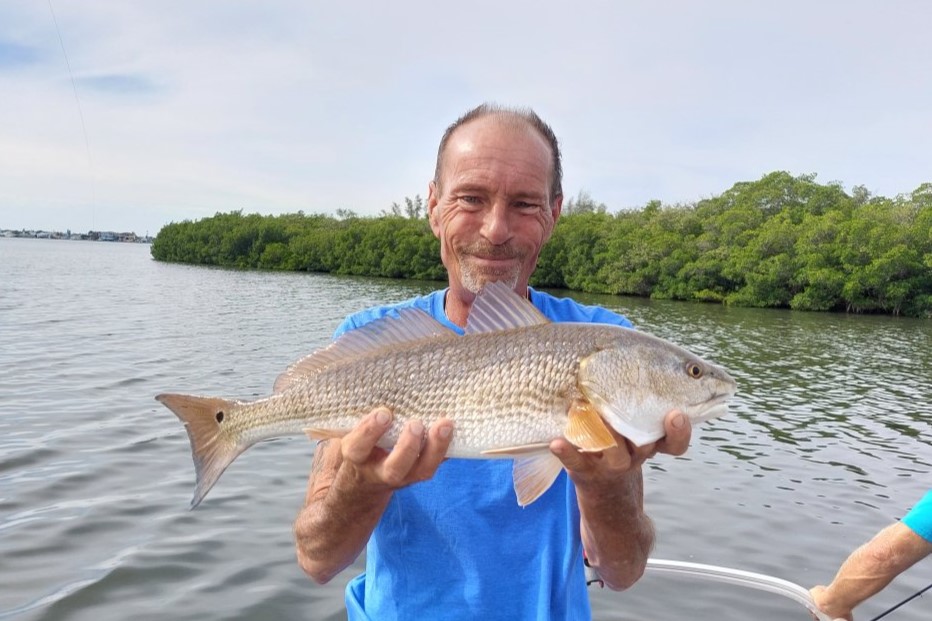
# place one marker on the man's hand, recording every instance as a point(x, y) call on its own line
point(678, 433)
point(608, 465)
point(617, 536)
point(820, 597)
point(415, 457)
point(870, 568)
point(351, 483)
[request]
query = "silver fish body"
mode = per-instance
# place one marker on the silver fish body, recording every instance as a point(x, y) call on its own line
point(511, 385)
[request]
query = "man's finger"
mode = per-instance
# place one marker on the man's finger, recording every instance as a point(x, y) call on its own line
point(434, 450)
point(399, 462)
point(572, 459)
point(358, 444)
point(678, 433)
point(639, 454)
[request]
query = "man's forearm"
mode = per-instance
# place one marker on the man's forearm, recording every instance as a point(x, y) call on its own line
point(872, 567)
point(616, 533)
point(334, 527)
point(351, 483)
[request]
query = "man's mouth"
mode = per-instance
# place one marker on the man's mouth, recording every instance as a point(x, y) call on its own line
point(492, 260)
point(491, 254)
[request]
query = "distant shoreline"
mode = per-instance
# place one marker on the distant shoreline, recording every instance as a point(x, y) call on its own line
point(104, 236)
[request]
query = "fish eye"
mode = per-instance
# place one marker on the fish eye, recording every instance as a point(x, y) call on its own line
point(694, 370)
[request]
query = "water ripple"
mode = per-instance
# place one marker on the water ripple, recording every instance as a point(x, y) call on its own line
point(828, 440)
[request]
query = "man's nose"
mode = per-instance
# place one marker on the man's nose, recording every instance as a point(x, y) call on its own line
point(495, 225)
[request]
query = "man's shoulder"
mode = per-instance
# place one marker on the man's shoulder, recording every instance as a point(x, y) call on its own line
point(554, 308)
point(568, 309)
point(426, 303)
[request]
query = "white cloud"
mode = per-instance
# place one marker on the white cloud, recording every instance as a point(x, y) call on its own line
point(192, 108)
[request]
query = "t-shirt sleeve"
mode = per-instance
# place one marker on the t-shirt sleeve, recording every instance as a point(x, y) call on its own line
point(357, 320)
point(345, 326)
point(603, 315)
point(567, 309)
point(361, 318)
point(919, 519)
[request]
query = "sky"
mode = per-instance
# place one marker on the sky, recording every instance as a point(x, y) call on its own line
point(127, 116)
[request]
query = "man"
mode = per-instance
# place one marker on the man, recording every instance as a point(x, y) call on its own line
point(446, 538)
point(875, 564)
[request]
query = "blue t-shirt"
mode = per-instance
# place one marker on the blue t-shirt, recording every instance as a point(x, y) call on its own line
point(459, 546)
point(920, 517)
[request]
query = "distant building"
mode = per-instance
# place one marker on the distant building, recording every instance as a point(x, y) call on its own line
point(113, 236)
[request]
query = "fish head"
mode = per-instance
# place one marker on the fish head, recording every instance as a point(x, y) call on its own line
point(638, 378)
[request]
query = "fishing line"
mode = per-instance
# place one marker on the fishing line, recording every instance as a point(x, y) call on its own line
point(905, 601)
point(74, 87)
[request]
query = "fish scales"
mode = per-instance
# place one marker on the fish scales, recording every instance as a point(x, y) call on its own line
point(502, 389)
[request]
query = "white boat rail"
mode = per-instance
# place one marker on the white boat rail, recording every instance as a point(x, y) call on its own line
point(737, 577)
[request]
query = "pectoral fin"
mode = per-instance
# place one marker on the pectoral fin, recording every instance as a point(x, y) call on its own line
point(586, 430)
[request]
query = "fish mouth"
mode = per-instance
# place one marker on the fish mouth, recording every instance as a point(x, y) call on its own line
point(713, 407)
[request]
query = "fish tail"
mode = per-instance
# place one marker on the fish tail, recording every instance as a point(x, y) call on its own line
point(211, 448)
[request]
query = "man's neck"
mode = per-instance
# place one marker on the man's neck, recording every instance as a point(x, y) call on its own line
point(455, 308)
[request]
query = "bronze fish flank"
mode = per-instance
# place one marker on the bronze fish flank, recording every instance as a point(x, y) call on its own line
point(511, 385)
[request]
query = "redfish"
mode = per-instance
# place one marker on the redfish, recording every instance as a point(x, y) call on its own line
point(513, 383)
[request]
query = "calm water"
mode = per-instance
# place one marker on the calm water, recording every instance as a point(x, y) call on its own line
point(828, 441)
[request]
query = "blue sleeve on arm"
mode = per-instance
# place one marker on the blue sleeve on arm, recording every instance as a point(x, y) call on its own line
point(568, 309)
point(919, 519)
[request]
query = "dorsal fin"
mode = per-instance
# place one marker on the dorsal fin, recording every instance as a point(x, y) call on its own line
point(497, 307)
point(410, 324)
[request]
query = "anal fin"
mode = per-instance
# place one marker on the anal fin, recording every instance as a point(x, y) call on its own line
point(534, 471)
point(534, 474)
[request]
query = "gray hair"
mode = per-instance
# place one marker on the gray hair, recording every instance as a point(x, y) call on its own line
point(524, 116)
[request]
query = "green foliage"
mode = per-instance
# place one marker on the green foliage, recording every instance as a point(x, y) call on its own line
point(389, 246)
point(414, 208)
point(782, 241)
point(583, 203)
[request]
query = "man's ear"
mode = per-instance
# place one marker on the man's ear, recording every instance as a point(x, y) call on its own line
point(433, 208)
point(556, 208)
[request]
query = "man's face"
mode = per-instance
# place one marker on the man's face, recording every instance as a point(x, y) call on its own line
point(492, 211)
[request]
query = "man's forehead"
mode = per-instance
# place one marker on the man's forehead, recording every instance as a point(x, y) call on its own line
point(502, 147)
point(486, 168)
point(494, 127)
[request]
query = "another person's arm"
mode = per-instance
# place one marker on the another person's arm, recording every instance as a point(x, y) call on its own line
point(350, 485)
point(616, 533)
point(870, 568)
